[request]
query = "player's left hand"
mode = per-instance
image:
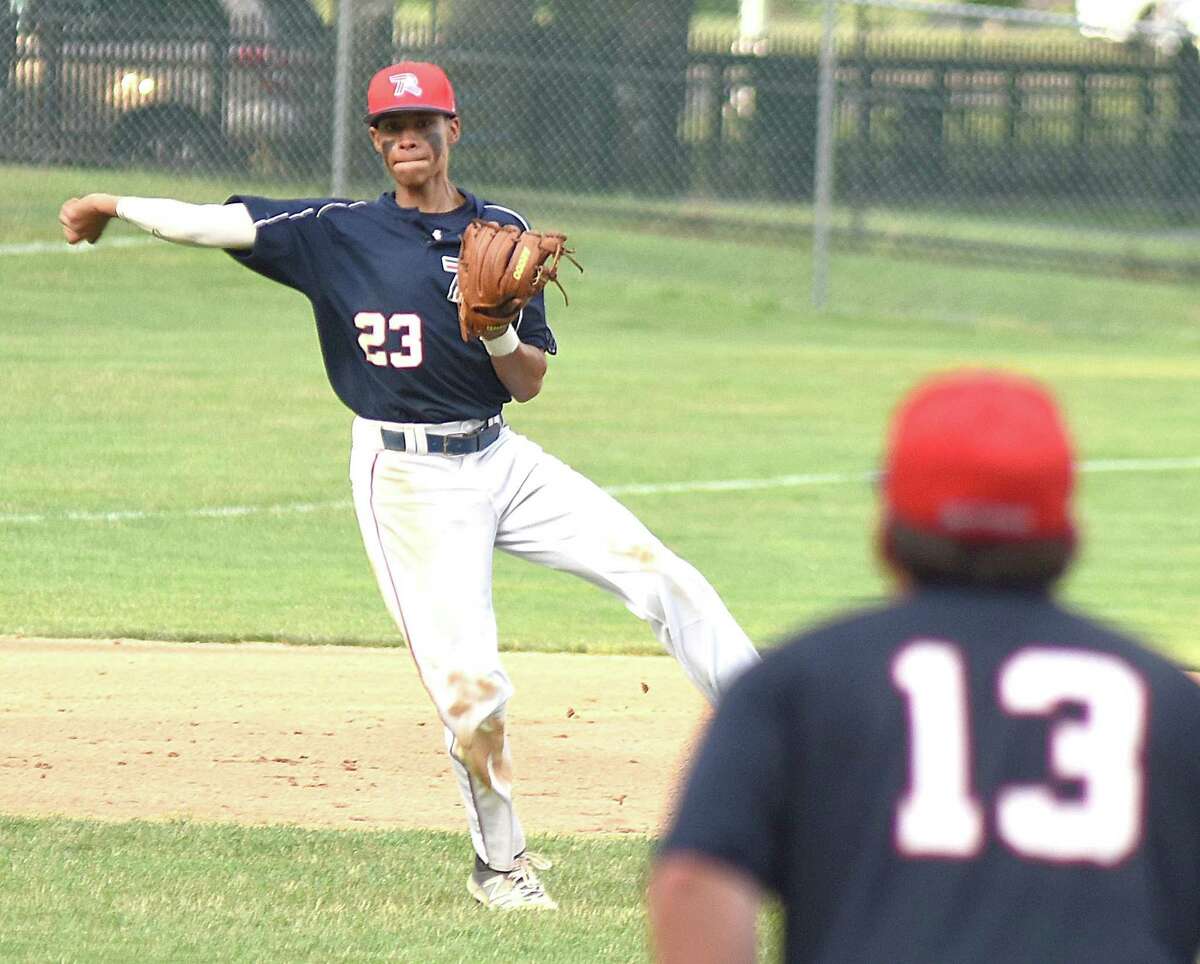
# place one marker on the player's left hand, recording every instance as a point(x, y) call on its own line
point(500, 268)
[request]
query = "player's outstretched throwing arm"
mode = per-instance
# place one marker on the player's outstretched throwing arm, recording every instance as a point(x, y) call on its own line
point(204, 225)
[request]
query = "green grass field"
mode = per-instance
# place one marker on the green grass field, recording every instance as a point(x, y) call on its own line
point(175, 467)
point(74, 891)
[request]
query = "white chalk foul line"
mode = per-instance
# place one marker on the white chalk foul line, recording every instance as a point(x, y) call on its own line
point(651, 488)
point(1141, 465)
point(61, 247)
point(739, 485)
point(137, 515)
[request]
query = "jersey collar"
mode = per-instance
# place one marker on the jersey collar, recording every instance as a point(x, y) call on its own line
point(438, 228)
point(472, 206)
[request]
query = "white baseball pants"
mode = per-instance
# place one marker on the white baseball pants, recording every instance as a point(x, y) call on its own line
point(430, 524)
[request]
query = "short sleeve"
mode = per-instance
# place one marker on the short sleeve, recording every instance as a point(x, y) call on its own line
point(533, 328)
point(288, 239)
point(734, 807)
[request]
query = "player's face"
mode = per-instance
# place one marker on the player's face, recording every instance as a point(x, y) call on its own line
point(415, 146)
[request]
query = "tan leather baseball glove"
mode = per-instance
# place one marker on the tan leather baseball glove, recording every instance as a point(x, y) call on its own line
point(500, 268)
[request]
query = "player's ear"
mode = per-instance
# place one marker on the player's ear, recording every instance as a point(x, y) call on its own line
point(374, 132)
point(453, 129)
point(885, 552)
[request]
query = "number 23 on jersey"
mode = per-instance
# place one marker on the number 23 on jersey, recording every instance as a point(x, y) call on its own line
point(374, 327)
point(939, 814)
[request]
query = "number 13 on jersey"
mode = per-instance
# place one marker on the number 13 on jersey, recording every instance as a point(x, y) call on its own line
point(940, 816)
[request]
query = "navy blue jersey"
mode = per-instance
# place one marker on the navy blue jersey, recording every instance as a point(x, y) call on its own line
point(965, 775)
point(381, 280)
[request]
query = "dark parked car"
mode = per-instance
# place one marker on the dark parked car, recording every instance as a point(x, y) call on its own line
point(180, 83)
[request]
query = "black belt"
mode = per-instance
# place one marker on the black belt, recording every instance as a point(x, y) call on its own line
point(463, 444)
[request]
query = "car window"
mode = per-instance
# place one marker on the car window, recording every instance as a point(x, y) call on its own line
point(206, 11)
point(293, 20)
point(298, 12)
point(154, 11)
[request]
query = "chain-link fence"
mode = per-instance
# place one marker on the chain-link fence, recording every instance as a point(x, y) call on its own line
point(1008, 135)
point(1005, 135)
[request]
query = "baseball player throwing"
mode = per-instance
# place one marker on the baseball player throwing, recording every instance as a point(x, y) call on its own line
point(439, 480)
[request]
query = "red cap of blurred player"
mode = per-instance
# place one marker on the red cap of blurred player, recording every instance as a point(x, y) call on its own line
point(981, 457)
point(408, 86)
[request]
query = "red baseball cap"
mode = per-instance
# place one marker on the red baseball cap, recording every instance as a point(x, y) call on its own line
point(409, 86)
point(981, 456)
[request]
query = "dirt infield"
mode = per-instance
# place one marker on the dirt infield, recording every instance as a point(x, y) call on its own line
point(325, 736)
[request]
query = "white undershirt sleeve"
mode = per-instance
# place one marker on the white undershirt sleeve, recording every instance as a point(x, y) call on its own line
point(203, 225)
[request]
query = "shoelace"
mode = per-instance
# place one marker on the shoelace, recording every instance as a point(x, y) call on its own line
point(522, 885)
point(526, 881)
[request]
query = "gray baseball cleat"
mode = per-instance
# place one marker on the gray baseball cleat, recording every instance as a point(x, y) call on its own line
point(516, 889)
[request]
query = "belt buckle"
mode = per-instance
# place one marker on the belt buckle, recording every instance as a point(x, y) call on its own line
point(449, 440)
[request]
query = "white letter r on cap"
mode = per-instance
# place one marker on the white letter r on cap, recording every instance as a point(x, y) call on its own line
point(406, 84)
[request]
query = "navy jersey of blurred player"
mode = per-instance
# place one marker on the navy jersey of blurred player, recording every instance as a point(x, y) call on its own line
point(973, 773)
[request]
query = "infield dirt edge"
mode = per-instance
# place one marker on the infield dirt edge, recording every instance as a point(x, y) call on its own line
point(327, 736)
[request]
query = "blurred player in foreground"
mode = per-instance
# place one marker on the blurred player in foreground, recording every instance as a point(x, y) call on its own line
point(439, 479)
point(972, 773)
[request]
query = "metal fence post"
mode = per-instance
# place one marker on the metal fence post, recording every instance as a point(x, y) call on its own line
point(823, 173)
point(341, 96)
point(1184, 192)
